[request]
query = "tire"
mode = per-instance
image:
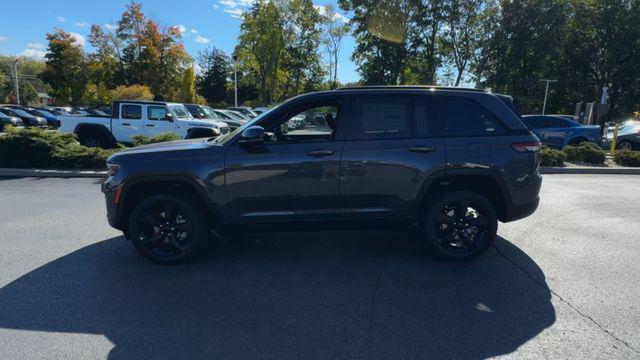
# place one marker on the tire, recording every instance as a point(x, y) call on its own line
point(625, 145)
point(460, 225)
point(166, 229)
point(93, 139)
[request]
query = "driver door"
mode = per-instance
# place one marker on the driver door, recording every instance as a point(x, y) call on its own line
point(293, 173)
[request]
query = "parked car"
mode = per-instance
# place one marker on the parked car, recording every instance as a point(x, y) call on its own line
point(6, 119)
point(628, 136)
point(232, 119)
point(52, 119)
point(207, 113)
point(260, 109)
point(131, 118)
point(558, 132)
point(246, 111)
point(453, 160)
point(27, 119)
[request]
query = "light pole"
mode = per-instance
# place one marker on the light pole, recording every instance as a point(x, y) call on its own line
point(546, 92)
point(17, 84)
point(235, 80)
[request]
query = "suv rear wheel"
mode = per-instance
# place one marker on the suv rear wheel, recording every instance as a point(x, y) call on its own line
point(166, 229)
point(460, 225)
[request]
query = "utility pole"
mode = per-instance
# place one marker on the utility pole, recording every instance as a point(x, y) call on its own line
point(235, 80)
point(17, 84)
point(546, 92)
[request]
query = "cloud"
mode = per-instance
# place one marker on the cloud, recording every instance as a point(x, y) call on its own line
point(201, 39)
point(235, 8)
point(79, 39)
point(215, 6)
point(34, 54)
point(194, 31)
point(4, 39)
point(109, 27)
point(35, 46)
point(81, 23)
point(181, 29)
point(61, 19)
point(336, 15)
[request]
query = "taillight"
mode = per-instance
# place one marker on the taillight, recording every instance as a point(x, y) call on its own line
point(527, 146)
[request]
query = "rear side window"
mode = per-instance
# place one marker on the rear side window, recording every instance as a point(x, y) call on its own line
point(381, 117)
point(132, 112)
point(465, 117)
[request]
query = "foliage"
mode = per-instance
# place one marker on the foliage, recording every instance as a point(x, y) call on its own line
point(37, 148)
point(215, 68)
point(335, 30)
point(187, 91)
point(627, 158)
point(64, 70)
point(586, 152)
point(552, 157)
point(139, 140)
point(133, 92)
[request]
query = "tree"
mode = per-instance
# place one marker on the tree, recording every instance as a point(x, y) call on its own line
point(132, 92)
point(261, 44)
point(214, 70)
point(64, 69)
point(335, 29)
point(187, 93)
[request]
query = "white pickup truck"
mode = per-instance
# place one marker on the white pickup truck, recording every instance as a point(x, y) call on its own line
point(131, 118)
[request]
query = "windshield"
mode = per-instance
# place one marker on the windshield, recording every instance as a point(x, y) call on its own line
point(22, 113)
point(210, 113)
point(46, 113)
point(180, 112)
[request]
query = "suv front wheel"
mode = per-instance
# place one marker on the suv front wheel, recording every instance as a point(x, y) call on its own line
point(166, 228)
point(460, 225)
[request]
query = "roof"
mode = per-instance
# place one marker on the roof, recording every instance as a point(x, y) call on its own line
point(408, 87)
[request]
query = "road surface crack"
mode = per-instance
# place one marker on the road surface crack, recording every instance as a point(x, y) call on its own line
point(582, 314)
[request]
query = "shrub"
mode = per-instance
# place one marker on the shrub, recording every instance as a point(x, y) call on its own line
point(37, 148)
point(138, 140)
point(586, 152)
point(627, 158)
point(552, 157)
point(132, 92)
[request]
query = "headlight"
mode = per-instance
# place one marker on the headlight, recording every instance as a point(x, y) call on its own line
point(112, 169)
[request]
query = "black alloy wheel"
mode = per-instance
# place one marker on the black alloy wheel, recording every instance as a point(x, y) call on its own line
point(461, 225)
point(166, 228)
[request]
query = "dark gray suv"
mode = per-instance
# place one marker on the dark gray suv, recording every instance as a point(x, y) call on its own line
point(454, 161)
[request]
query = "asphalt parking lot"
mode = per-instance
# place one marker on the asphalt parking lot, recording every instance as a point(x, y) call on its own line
point(560, 284)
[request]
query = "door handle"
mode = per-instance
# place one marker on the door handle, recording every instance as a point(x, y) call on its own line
point(320, 153)
point(150, 125)
point(126, 124)
point(422, 149)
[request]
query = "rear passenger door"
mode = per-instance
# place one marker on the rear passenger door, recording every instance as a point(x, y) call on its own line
point(471, 133)
point(129, 123)
point(390, 150)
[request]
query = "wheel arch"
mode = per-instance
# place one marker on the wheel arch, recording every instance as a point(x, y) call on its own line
point(483, 181)
point(102, 129)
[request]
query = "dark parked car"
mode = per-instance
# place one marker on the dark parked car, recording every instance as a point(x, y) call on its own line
point(558, 132)
point(6, 119)
point(244, 111)
point(628, 136)
point(27, 119)
point(453, 160)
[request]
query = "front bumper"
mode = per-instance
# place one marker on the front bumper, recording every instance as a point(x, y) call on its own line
point(110, 193)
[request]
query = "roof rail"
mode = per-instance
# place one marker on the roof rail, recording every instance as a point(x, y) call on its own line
point(408, 87)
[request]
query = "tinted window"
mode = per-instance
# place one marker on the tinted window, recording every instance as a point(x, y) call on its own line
point(381, 117)
point(556, 122)
point(422, 117)
point(465, 117)
point(132, 112)
point(532, 122)
point(157, 113)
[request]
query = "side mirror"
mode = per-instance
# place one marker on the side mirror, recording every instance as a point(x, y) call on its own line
point(253, 134)
point(169, 116)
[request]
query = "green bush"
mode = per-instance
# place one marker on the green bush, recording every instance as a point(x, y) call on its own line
point(627, 158)
point(552, 157)
point(37, 148)
point(143, 140)
point(586, 152)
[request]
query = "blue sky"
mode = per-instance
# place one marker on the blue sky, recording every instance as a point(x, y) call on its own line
point(205, 23)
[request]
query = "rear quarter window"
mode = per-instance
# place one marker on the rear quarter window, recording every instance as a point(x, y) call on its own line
point(462, 117)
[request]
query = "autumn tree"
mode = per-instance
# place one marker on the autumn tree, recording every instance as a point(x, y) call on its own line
point(65, 65)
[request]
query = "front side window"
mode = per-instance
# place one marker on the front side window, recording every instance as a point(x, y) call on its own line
point(132, 112)
point(157, 113)
point(380, 117)
point(461, 117)
point(311, 123)
point(180, 112)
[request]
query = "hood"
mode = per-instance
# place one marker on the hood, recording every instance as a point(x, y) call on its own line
point(210, 123)
point(179, 145)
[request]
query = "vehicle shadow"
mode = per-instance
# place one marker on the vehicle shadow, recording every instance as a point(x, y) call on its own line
point(343, 295)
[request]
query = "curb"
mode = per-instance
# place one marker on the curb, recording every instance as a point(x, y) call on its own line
point(590, 170)
point(42, 173)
